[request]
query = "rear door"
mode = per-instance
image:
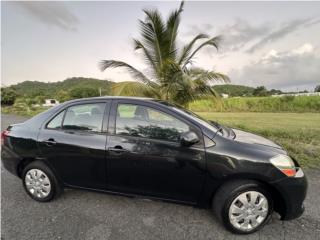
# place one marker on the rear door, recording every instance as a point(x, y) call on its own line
point(74, 142)
point(144, 155)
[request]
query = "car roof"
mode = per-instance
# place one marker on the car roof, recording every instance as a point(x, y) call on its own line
point(111, 98)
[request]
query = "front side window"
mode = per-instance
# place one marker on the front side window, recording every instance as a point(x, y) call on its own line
point(140, 121)
point(86, 117)
point(56, 122)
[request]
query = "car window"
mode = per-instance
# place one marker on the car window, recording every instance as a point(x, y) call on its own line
point(140, 121)
point(87, 117)
point(56, 122)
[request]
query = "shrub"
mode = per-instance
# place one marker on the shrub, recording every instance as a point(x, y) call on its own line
point(8, 96)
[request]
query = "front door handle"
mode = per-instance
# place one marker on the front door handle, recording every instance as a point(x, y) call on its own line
point(117, 150)
point(50, 142)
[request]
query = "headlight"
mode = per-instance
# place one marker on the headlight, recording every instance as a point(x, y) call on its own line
point(285, 164)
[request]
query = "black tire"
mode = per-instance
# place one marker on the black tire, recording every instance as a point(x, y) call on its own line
point(231, 190)
point(56, 188)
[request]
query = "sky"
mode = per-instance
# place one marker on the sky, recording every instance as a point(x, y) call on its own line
point(275, 44)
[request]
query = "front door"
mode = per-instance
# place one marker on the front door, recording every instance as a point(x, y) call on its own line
point(73, 142)
point(144, 155)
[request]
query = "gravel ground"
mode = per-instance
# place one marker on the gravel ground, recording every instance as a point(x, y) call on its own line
point(88, 215)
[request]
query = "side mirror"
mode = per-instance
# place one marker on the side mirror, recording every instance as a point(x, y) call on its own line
point(188, 138)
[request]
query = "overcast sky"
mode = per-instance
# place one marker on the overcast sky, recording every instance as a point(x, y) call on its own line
point(276, 44)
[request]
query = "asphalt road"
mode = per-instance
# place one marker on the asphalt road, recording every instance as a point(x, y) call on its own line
point(89, 215)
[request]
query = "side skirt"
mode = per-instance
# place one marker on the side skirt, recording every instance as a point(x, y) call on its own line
point(131, 195)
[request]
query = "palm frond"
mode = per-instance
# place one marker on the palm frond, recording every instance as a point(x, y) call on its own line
point(187, 48)
point(172, 29)
point(136, 89)
point(211, 42)
point(153, 34)
point(207, 76)
point(136, 74)
point(149, 57)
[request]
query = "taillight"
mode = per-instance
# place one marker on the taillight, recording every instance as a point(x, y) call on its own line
point(4, 134)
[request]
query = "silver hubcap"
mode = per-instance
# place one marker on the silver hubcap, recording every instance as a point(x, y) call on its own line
point(37, 183)
point(248, 210)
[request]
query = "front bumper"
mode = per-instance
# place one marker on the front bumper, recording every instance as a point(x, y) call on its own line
point(293, 191)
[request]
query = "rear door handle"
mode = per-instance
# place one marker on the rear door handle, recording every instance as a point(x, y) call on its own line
point(50, 142)
point(117, 150)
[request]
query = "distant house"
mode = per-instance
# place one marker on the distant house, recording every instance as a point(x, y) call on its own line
point(224, 95)
point(50, 103)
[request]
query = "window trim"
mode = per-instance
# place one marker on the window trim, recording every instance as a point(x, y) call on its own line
point(104, 125)
point(116, 105)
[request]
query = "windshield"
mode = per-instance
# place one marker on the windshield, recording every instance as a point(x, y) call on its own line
point(192, 115)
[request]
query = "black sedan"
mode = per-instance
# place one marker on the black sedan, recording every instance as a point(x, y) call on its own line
point(150, 148)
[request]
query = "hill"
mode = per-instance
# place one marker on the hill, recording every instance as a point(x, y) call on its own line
point(35, 88)
point(51, 90)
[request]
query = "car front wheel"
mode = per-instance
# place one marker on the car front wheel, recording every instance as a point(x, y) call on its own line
point(243, 206)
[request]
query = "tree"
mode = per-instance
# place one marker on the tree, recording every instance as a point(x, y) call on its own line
point(171, 74)
point(63, 96)
point(275, 92)
point(317, 89)
point(260, 91)
point(83, 92)
point(8, 96)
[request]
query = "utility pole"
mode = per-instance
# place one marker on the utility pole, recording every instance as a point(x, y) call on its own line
point(100, 91)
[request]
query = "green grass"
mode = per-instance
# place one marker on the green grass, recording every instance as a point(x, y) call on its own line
point(298, 133)
point(259, 104)
point(23, 110)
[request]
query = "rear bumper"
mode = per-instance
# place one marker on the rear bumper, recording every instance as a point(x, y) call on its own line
point(10, 160)
point(293, 191)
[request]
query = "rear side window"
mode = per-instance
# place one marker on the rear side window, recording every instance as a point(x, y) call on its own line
point(86, 117)
point(56, 122)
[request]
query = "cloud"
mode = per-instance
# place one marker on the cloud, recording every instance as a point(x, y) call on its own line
point(297, 68)
point(194, 30)
point(51, 14)
point(283, 31)
point(244, 36)
point(237, 35)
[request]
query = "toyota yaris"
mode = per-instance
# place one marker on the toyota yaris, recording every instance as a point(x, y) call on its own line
point(150, 148)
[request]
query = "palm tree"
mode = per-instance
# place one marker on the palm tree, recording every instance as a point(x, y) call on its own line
point(171, 75)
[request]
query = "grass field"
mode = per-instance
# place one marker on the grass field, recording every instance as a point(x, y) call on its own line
point(258, 104)
point(298, 133)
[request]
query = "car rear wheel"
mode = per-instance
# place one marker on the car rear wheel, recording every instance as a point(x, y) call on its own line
point(243, 206)
point(40, 182)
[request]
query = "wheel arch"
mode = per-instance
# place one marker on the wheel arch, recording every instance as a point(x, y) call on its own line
point(26, 161)
point(278, 200)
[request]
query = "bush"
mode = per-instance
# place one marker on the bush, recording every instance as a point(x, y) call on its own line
point(8, 96)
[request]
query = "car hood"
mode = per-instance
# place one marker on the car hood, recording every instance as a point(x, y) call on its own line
point(246, 137)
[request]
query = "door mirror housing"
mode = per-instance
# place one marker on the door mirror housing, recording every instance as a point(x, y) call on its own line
point(188, 138)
